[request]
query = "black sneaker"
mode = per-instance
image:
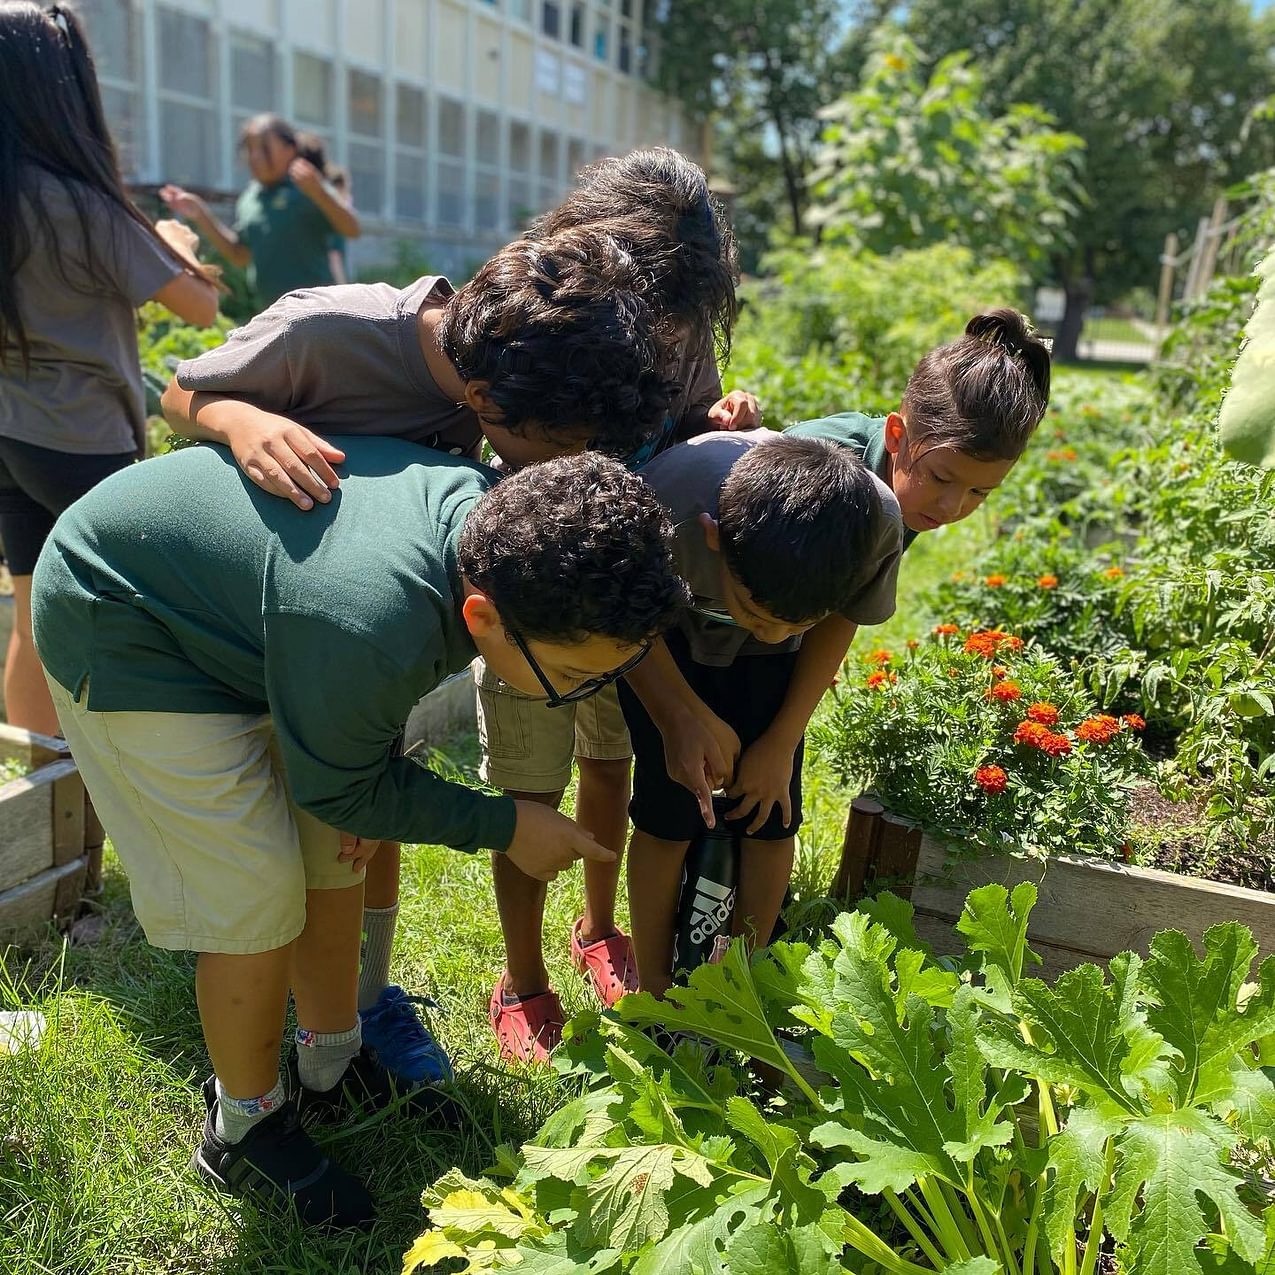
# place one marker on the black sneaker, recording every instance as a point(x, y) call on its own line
point(276, 1162)
point(368, 1086)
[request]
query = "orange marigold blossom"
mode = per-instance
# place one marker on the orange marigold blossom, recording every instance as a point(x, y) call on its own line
point(1047, 581)
point(1134, 722)
point(1055, 745)
point(1030, 733)
point(1113, 573)
point(881, 678)
point(995, 580)
point(913, 644)
point(991, 779)
point(879, 657)
point(999, 672)
point(1043, 712)
point(946, 630)
point(1005, 692)
point(1011, 643)
point(1099, 729)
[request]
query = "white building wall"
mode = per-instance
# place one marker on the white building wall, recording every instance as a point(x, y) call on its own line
point(458, 119)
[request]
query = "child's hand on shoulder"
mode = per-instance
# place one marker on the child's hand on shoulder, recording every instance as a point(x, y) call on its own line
point(763, 780)
point(737, 410)
point(284, 458)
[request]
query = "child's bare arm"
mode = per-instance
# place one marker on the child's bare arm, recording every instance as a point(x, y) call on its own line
point(700, 750)
point(280, 456)
point(764, 776)
point(184, 204)
point(309, 181)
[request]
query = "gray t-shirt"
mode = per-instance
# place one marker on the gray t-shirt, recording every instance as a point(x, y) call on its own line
point(342, 360)
point(688, 480)
point(83, 390)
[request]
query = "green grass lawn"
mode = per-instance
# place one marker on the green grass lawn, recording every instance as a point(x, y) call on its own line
point(97, 1126)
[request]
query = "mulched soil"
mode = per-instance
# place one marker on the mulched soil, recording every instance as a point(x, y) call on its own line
point(1171, 835)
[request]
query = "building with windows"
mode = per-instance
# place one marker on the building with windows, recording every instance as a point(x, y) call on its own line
point(457, 119)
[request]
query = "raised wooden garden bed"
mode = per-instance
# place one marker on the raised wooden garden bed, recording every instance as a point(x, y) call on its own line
point(1088, 909)
point(44, 851)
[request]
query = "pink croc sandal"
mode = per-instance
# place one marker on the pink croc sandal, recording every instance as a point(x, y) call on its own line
point(608, 964)
point(529, 1029)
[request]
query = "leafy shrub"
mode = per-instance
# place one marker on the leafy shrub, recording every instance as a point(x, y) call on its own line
point(967, 1120)
point(985, 743)
point(833, 329)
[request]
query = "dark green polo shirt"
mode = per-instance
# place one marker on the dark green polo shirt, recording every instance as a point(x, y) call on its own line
point(178, 586)
point(288, 237)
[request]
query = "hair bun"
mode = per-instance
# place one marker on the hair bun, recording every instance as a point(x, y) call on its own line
point(1001, 327)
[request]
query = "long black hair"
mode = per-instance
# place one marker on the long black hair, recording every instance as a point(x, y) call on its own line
point(51, 124)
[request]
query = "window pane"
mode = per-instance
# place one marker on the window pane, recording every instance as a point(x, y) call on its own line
point(451, 127)
point(487, 201)
point(252, 73)
point(312, 89)
point(367, 176)
point(520, 203)
point(600, 39)
point(186, 52)
point(365, 104)
point(409, 115)
point(548, 195)
point(409, 186)
point(112, 31)
point(551, 18)
point(124, 121)
point(520, 9)
point(488, 138)
point(624, 54)
point(626, 8)
point(577, 25)
point(577, 157)
point(549, 156)
point(188, 144)
point(519, 146)
point(451, 193)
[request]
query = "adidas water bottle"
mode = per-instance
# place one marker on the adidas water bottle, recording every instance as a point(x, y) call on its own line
point(707, 900)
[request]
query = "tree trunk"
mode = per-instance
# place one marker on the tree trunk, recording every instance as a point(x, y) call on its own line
point(1079, 298)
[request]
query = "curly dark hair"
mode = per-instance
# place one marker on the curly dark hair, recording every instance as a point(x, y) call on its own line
point(562, 336)
point(657, 202)
point(982, 394)
point(572, 548)
point(802, 524)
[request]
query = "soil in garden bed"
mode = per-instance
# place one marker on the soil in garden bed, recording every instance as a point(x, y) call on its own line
point(1171, 835)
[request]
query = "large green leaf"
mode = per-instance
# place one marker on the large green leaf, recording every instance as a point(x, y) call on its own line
point(1197, 1006)
point(625, 1206)
point(770, 1249)
point(1084, 1033)
point(994, 924)
point(700, 1246)
point(1077, 1169)
point(1168, 1161)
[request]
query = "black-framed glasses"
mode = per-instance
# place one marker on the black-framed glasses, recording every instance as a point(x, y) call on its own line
point(587, 688)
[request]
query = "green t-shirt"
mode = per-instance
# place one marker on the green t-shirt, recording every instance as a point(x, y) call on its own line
point(178, 586)
point(288, 237)
point(865, 434)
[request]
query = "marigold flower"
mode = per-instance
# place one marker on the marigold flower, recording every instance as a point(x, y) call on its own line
point(1134, 722)
point(985, 643)
point(1100, 729)
point(1011, 643)
point(946, 630)
point(879, 657)
point(913, 644)
point(995, 580)
point(1005, 692)
point(1047, 581)
point(1113, 573)
point(1070, 453)
point(1043, 712)
point(999, 671)
point(958, 576)
point(1055, 745)
point(881, 678)
point(1030, 733)
point(991, 779)
point(1054, 454)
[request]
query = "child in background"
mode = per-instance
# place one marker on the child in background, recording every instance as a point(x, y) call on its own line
point(550, 347)
point(76, 260)
point(968, 413)
point(310, 147)
point(284, 218)
point(657, 202)
point(227, 717)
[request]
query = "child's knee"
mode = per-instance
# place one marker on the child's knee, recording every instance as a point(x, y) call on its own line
point(606, 774)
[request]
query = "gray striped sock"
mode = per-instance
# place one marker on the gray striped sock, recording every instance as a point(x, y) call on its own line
point(379, 925)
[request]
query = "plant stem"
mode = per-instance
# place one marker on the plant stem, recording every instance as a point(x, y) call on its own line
point(1094, 1242)
point(873, 1247)
point(915, 1230)
point(946, 1228)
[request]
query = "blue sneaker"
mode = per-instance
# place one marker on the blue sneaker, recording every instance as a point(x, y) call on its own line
point(394, 1032)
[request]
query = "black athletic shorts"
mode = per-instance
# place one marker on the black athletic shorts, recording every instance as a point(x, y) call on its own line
point(747, 695)
point(37, 484)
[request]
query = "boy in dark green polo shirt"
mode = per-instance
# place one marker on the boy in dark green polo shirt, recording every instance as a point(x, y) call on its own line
point(231, 674)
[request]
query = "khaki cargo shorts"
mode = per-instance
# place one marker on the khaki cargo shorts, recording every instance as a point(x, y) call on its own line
point(197, 806)
point(528, 746)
